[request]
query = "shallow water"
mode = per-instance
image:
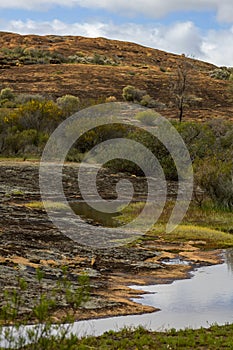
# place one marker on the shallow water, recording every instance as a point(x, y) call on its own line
point(94, 216)
point(203, 300)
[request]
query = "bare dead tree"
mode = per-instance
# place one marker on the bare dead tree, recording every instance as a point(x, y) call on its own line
point(180, 84)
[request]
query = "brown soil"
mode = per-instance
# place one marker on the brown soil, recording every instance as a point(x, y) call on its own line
point(137, 65)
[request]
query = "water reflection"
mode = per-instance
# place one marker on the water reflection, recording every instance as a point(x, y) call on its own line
point(94, 216)
point(203, 300)
point(229, 259)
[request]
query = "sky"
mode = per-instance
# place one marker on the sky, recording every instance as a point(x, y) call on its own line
point(201, 29)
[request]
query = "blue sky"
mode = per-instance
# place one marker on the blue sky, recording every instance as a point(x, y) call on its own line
point(198, 28)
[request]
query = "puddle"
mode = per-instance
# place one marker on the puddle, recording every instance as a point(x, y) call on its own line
point(93, 216)
point(174, 261)
point(203, 300)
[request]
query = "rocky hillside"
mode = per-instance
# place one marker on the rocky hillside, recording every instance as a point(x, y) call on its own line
point(99, 68)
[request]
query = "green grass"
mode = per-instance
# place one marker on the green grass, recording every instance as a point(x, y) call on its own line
point(213, 226)
point(17, 192)
point(213, 338)
point(19, 158)
point(208, 224)
point(213, 238)
point(48, 204)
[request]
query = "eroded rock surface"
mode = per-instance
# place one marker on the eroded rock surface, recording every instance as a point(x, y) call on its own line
point(29, 240)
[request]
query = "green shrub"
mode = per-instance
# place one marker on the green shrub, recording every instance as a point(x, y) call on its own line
point(148, 101)
point(7, 104)
point(80, 57)
point(151, 143)
point(100, 134)
point(193, 101)
point(24, 98)
point(147, 117)
point(222, 73)
point(199, 138)
point(32, 56)
point(215, 177)
point(124, 166)
point(41, 116)
point(76, 59)
point(69, 104)
point(74, 156)
point(110, 99)
point(98, 59)
point(158, 149)
point(24, 142)
point(162, 69)
point(132, 94)
point(7, 94)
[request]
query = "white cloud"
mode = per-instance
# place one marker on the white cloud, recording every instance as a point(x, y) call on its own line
point(151, 8)
point(57, 27)
point(217, 47)
point(180, 37)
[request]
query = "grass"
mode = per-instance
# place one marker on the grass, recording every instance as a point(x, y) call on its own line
point(213, 238)
point(213, 338)
point(19, 158)
point(208, 224)
point(48, 205)
point(17, 192)
point(200, 224)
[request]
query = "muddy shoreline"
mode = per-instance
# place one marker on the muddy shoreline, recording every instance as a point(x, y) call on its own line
point(29, 240)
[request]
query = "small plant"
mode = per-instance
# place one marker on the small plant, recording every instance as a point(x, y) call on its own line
point(162, 69)
point(148, 101)
point(98, 59)
point(147, 117)
point(110, 99)
point(215, 177)
point(7, 94)
point(43, 334)
point(222, 73)
point(49, 204)
point(132, 94)
point(132, 73)
point(24, 98)
point(69, 104)
point(17, 192)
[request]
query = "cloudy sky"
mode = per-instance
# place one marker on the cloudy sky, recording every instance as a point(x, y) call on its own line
point(199, 28)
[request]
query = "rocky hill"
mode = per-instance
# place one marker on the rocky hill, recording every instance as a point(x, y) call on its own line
point(99, 68)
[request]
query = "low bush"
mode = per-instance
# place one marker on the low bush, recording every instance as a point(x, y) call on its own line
point(80, 57)
point(147, 117)
point(222, 73)
point(148, 101)
point(69, 104)
point(132, 94)
point(7, 94)
point(24, 98)
point(215, 177)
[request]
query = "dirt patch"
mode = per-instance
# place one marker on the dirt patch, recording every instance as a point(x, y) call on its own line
point(145, 68)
